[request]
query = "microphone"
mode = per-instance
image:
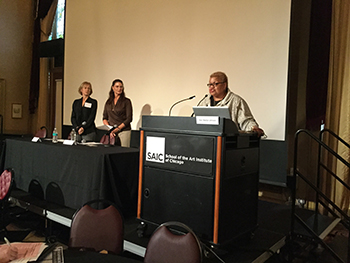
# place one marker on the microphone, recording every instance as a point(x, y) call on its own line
point(190, 98)
point(206, 95)
point(79, 126)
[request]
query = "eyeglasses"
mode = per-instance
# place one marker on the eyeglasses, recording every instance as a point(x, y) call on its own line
point(214, 84)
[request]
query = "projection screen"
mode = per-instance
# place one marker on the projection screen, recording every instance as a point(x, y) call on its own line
point(164, 51)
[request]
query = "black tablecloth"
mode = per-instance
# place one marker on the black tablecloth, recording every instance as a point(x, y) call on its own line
point(83, 173)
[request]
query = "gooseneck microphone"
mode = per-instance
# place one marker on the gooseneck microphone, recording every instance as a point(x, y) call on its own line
point(206, 95)
point(79, 126)
point(190, 98)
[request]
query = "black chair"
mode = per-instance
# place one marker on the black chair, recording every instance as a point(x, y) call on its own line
point(35, 189)
point(98, 229)
point(54, 201)
point(135, 139)
point(169, 244)
point(54, 194)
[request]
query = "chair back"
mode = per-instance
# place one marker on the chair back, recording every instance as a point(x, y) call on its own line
point(98, 229)
point(166, 246)
point(35, 189)
point(6, 180)
point(41, 133)
point(107, 140)
point(54, 194)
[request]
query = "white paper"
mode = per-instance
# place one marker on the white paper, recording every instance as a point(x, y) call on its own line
point(35, 139)
point(68, 142)
point(28, 251)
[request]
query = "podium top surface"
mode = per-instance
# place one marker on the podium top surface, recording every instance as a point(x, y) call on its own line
point(188, 125)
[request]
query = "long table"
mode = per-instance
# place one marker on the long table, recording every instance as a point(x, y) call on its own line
point(82, 172)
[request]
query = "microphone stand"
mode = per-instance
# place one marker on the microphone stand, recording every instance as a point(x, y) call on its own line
point(206, 95)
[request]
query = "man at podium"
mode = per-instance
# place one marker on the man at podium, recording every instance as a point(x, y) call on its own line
point(221, 95)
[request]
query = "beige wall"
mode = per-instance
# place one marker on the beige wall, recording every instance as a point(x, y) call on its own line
point(164, 51)
point(16, 27)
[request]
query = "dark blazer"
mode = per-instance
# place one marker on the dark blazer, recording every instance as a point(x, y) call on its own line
point(85, 113)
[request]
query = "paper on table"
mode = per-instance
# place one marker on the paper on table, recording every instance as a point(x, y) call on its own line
point(28, 251)
point(105, 127)
point(91, 144)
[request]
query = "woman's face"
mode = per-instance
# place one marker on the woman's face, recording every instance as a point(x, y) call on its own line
point(85, 91)
point(217, 88)
point(118, 88)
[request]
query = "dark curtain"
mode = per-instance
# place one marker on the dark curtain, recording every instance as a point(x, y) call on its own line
point(319, 50)
point(43, 8)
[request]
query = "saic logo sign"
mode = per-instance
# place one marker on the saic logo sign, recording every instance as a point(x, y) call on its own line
point(155, 147)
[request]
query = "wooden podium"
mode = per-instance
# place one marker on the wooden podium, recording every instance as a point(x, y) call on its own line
point(205, 176)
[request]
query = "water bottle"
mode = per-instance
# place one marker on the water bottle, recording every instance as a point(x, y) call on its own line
point(55, 136)
point(73, 136)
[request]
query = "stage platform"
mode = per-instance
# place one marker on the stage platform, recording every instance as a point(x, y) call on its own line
point(273, 225)
point(268, 242)
point(269, 236)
